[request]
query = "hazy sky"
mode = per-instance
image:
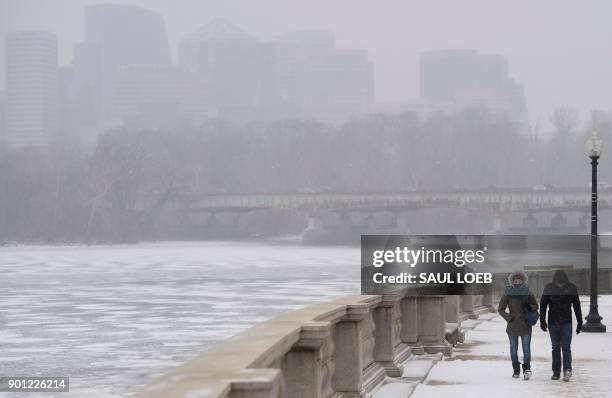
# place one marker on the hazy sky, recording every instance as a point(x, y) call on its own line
point(561, 50)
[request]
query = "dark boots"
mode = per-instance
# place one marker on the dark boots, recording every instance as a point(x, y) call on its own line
point(526, 371)
point(516, 367)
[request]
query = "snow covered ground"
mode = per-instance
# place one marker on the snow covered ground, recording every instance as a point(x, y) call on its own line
point(113, 317)
point(481, 366)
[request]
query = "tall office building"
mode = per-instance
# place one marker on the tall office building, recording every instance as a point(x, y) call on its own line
point(115, 36)
point(2, 119)
point(325, 82)
point(3, 137)
point(230, 62)
point(31, 88)
point(159, 97)
point(466, 78)
point(300, 75)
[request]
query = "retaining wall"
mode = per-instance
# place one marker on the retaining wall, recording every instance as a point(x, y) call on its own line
point(341, 348)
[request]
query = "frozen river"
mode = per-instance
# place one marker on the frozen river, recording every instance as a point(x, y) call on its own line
point(113, 317)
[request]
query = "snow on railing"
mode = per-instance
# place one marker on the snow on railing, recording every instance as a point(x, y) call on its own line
point(346, 346)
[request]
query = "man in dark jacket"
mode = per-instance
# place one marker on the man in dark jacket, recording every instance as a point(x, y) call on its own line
point(559, 297)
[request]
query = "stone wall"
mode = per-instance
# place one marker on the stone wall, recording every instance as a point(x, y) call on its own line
point(342, 348)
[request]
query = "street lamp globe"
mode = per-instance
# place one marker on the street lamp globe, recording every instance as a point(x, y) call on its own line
point(594, 145)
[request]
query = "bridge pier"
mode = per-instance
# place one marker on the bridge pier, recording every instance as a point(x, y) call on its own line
point(314, 223)
point(403, 223)
point(500, 223)
point(211, 224)
point(558, 222)
point(584, 221)
point(530, 223)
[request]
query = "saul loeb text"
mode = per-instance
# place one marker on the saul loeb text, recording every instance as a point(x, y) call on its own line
point(433, 278)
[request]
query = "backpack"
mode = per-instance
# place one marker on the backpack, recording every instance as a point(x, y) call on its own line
point(531, 317)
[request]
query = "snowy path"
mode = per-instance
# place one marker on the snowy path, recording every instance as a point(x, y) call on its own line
point(481, 366)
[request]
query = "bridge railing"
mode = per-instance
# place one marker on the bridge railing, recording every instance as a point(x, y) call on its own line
point(346, 346)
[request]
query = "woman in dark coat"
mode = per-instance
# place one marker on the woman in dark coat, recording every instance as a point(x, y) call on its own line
point(515, 298)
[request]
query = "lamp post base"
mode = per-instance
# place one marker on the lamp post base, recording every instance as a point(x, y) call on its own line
point(594, 328)
point(593, 323)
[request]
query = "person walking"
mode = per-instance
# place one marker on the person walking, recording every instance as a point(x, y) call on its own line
point(559, 297)
point(520, 302)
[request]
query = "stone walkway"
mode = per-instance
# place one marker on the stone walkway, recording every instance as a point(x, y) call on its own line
point(480, 367)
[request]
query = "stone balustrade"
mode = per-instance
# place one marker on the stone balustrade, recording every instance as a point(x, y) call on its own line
point(341, 348)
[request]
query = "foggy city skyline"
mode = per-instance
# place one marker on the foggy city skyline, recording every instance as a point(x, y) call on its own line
point(556, 66)
point(125, 139)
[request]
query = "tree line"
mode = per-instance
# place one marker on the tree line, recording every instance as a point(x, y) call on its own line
point(115, 190)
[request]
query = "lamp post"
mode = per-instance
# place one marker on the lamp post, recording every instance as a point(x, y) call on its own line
point(593, 324)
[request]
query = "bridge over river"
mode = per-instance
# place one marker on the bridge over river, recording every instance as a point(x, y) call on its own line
point(502, 200)
point(340, 217)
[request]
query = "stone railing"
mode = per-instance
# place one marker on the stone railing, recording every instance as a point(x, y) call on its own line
point(342, 348)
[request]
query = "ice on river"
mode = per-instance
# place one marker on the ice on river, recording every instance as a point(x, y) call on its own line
point(113, 317)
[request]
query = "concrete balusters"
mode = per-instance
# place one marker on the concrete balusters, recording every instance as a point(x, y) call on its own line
point(488, 299)
point(373, 372)
point(340, 349)
point(348, 339)
point(409, 331)
point(307, 367)
point(452, 308)
point(467, 307)
point(389, 350)
point(432, 325)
